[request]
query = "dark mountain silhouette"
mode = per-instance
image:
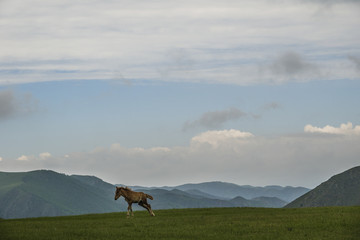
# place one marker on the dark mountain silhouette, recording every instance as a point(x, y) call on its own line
point(340, 190)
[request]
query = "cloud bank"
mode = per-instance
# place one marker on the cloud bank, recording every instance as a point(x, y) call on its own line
point(227, 155)
point(195, 41)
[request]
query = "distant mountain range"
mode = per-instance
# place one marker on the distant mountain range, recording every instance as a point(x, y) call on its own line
point(47, 193)
point(340, 190)
point(227, 191)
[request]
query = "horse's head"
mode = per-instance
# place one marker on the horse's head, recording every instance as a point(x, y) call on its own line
point(117, 193)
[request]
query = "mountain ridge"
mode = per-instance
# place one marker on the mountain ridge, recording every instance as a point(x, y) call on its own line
point(48, 193)
point(342, 189)
point(227, 191)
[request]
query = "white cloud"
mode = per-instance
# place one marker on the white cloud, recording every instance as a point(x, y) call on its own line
point(160, 149)
point(344, 129)
point(44, 155)
point(24, 158)
point(217, 138)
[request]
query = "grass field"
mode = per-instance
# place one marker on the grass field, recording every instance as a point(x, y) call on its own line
point(211, 223)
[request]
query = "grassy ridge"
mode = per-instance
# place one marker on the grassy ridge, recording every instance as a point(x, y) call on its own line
point(210, 223)
point(47, 193)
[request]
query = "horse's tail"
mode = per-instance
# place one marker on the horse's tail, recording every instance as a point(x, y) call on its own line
point(149, 196)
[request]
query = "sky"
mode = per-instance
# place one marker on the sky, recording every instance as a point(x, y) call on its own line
point(157, 93)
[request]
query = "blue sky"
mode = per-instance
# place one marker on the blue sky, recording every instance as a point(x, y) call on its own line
point(99, 113)
point(250, 92)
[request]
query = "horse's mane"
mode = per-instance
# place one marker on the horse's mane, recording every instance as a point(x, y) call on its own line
point(127, 188)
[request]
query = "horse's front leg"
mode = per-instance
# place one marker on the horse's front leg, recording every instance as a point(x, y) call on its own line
point(130, 209)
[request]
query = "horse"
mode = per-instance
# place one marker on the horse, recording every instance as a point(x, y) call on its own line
point(134, 197)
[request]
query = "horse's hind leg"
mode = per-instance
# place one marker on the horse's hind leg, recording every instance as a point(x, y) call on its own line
point(150, 211)
point(147, 207)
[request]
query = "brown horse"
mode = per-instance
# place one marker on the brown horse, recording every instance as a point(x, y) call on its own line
point(134, 197)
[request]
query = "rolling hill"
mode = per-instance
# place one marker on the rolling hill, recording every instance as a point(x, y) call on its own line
point(340, 190)
point(48, 193)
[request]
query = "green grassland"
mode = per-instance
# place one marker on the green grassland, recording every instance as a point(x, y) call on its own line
point(210, 223)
